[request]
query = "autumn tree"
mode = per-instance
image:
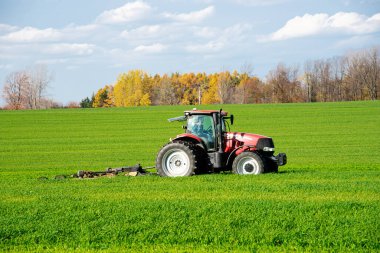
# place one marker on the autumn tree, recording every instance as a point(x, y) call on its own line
point(132, 89)
point(166, 92)
point(104, 97)
point(285, 84)
point(210, 93)
point(249, 91)
point(189, 88)
point(225, 84)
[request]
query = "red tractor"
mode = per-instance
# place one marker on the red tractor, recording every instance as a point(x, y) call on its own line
point(207, 146)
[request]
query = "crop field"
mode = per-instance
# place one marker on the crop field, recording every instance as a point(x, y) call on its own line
point(326, 199)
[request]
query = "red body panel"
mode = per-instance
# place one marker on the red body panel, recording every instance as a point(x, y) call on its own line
point(234, 140)
point(189, 136)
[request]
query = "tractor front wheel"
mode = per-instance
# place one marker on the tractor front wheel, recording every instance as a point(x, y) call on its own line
point(176, 159)
point(248, 163)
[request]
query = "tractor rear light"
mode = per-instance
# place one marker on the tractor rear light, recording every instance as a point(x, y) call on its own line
point(268, 149)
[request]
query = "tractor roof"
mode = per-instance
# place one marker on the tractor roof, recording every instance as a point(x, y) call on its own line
point(196, 112)
point(207, 112)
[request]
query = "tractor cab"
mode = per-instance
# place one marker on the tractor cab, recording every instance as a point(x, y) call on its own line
point(203, 127)
point(206, 125)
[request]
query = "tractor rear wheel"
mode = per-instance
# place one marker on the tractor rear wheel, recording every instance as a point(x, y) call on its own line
point(176, 159)
point(248, 163)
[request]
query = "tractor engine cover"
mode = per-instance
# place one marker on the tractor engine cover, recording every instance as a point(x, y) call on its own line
point(250, 141)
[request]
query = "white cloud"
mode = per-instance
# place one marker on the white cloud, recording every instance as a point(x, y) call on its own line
point(206, 32)
point(72, 28)
point(126, 13)
point(229, 37)
point(31, 34)
point(211, 46)
point(355, 23)
point(167, 33)
point(144, 31)
point(7, 28)
point(322, 23)
point(52, 61)
point(154, 48)
point(73, 49)
point(191, 17)
point(260, 2)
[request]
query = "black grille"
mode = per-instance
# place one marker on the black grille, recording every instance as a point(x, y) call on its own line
point(265, 142)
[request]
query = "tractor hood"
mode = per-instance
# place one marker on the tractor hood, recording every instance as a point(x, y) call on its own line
point(259, 141)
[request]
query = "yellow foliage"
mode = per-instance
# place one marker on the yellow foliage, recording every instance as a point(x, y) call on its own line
point(130, 88)
point(104, 97)
point(137, 88)
point(145, 100)
point(211, 95)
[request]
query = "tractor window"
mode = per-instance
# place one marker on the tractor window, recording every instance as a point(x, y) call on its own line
point(224, 129)
point(203, 127)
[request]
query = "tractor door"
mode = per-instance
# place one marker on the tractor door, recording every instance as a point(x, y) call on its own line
point(203, 127)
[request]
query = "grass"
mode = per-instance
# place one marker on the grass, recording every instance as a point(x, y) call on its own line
point(326, 199)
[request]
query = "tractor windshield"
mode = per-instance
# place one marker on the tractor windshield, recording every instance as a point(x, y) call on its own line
point(203, 127)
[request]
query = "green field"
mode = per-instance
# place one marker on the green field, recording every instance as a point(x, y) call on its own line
point(327, 198)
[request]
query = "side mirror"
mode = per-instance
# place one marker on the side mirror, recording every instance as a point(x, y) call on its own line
point(232, 119)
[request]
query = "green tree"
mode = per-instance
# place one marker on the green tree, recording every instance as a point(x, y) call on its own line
point(86, 103)
point(103, 97)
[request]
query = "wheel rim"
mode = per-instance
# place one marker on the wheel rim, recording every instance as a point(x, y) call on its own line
point(248, 165)
point(176, 163)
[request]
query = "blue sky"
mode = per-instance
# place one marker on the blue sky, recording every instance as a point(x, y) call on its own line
point(87, 44)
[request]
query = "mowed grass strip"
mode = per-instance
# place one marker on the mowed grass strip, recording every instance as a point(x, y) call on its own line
point(326, 199)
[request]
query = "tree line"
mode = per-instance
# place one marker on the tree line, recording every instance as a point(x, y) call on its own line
point(351, 77)
point(354, 76)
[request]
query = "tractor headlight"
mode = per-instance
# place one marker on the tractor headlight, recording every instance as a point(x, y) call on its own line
point(268, 149)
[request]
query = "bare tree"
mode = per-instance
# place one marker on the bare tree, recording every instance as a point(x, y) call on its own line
point(243, 90)
point(39, 81)
point(372, 69)
point(339, 71)
point(167, 92)
point(311, 81)
point(14, 90)
point(285, 84)
point(356, 76)
point(225, 87)
point(26, 89)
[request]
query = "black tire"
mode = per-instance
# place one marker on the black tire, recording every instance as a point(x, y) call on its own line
point(270, 165)
point(203, 161)
point(248, 163)
point(177, 159)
